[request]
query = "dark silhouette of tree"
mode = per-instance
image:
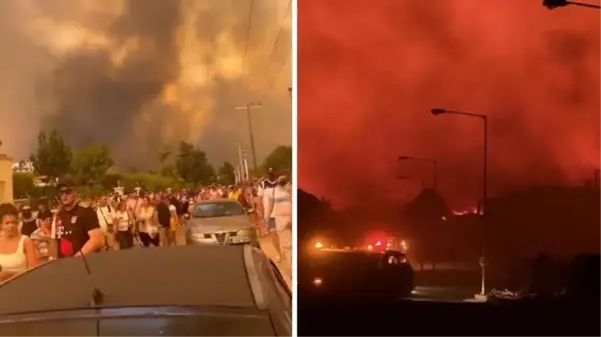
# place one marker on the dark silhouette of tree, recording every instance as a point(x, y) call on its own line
point(53, 156)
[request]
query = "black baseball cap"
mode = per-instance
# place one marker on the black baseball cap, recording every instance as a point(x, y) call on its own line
point(65, 183)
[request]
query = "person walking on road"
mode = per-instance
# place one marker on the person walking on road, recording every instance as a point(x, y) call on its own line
point(29, 223)
point(266, 191)
point(104, 212)
point(148, 230)
point(282, 213)
point(163, 218)
point(76, 227)
point(41, 237)
point(123, 219)
point(17, 252)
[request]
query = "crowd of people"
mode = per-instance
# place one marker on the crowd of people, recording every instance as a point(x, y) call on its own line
point(112, 222)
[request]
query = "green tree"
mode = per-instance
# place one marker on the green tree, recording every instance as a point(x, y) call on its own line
point(226, 174)
point(166, 165)
point(280, 159)
point(192, 165)
point(90, 164)
point(53, 156)
point(23, 186)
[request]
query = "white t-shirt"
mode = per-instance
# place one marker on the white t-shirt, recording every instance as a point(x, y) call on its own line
point(266, 192)
point(122, 221)
point(105, 217)
point(282, 202)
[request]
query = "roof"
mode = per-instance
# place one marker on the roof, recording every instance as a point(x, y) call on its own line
point(179, 276)
point(215, 201)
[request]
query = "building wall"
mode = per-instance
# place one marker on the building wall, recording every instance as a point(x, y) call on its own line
point(6, 179)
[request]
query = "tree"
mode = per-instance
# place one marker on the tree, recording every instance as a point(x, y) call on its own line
point(166, 165)
point(280, 159)
point(192, 165)
point(52, 157)
point(226, 174)
point(90, 164)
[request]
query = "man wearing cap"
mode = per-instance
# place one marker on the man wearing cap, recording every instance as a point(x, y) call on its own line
point(266, 191)
point(76, 227)
point(29, 222)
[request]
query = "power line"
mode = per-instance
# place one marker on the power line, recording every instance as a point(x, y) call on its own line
point(274, 78)
point(273, 50)
point(248, 29)
point(280, 31)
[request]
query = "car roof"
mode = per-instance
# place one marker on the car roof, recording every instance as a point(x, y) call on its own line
point(216, 201)
point(179, 276)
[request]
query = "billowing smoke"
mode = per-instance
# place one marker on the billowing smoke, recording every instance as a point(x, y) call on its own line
point(141, 75)
point(369, 73)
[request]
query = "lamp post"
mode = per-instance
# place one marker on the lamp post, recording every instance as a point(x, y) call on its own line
point(552, 4)
point(426, 160)
point(482, 205)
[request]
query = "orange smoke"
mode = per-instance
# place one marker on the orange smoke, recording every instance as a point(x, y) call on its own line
point(369, 73)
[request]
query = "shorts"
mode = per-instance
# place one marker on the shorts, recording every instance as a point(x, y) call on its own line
point(271, 223)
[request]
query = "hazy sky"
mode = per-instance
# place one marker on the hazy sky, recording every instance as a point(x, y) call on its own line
point(370, 71)
point(138, 75)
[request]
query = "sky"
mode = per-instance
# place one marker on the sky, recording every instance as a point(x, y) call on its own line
point(370, 71)
point(142, 75)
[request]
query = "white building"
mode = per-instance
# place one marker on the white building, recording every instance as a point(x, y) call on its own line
point(23, 167)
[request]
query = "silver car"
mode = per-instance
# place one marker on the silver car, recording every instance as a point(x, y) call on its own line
point(221, 222)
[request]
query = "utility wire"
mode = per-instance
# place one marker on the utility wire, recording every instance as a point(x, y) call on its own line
point(273, 50)
point(248, 29)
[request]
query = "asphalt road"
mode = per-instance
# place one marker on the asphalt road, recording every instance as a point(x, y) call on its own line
point(446, 285)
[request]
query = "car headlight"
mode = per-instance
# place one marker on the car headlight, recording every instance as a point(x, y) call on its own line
point(244, 233)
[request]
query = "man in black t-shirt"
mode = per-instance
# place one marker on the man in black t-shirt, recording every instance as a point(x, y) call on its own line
point(76, 227)
point(163, 217)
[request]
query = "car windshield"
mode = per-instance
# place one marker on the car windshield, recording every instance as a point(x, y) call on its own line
point(217, 209)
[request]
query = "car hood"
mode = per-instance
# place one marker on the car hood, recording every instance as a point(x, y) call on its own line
point(220, 224)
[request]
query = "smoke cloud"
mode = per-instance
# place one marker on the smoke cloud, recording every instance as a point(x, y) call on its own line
point(369, 73)
point(142, 75)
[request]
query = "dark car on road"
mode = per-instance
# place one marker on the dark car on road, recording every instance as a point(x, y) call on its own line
point(200, 290)
point(355, 273)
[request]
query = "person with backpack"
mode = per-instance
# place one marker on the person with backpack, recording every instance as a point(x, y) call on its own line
point(105, 219)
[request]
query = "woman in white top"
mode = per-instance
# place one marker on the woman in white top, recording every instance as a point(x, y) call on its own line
point(148, 229)
point(122, 222)
point(282, 213)
point(17, 253)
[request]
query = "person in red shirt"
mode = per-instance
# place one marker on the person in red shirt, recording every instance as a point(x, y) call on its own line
point(76, 227)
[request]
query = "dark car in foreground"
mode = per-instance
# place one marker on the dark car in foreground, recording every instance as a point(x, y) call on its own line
point(203, 290)
point(355, 273)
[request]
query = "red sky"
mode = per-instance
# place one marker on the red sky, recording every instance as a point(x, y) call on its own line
point(370, 71)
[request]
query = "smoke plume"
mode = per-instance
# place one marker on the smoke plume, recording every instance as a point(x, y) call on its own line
point(142, 75)
point(369, 73)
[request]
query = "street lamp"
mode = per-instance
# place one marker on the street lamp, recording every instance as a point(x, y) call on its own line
point(482, 206)
point(425, 160)
point(552, 4)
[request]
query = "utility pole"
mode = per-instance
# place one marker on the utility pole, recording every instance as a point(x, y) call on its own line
point(250, 130)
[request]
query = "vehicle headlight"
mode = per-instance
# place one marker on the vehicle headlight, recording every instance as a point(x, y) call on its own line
point(244, 233)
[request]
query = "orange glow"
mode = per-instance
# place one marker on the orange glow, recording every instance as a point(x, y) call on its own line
point(371, 72)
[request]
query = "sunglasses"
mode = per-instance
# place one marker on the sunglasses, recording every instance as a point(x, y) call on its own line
point(66, 191)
